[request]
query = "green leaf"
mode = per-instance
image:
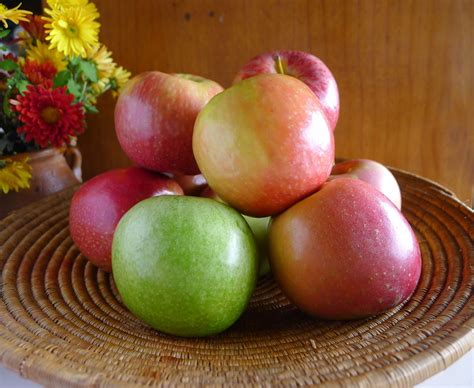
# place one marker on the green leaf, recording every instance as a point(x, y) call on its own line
point(6, 105)
point(89, 69)
point(21, 85)
point(74, 61)
point(91, 108)
point(4, 33)
point(62, 78)
point(9, 65)
point(73, 88)
point(11, 81)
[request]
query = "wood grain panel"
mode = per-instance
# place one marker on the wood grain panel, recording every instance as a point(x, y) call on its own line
point(404, 69)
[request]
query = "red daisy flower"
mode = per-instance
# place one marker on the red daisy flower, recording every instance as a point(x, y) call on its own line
point(39, 73)
point(35, 26)
point(49, 116)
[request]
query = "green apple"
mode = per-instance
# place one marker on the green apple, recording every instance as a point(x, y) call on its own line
point(259, 227)
point(184, 265)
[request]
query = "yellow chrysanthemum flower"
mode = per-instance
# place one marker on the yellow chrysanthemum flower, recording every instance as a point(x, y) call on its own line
point(100, 86)
point(121, 77)
point(61, 4)
point(105, 68)
point(14, 15)
point(103, 60)
point(14, 175)
point(66, 3)
point(42, 53)
point(73, 30)
point(92, 98)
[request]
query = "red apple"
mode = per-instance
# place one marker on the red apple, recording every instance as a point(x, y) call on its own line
point(154, 119)
point(304, 66)
point(345, 252)
point(191, 184)
point(99, 204)
point(264, 144)
point(373, 173)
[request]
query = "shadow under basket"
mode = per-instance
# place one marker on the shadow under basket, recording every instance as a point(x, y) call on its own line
point(62, 321)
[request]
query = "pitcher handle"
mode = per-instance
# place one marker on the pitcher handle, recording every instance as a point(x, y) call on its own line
point(74, 160)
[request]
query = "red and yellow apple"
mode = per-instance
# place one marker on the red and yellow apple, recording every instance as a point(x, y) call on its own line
point(372, 172)
point(264, 144)
point(304, 66)
point(154, 119)
point(344, 252)
point(99, 204)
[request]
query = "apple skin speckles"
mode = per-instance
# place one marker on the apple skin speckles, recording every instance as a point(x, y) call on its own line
point(264, 144)
point(345, 252)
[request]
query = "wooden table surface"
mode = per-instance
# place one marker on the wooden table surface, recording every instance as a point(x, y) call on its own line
point(404, 69)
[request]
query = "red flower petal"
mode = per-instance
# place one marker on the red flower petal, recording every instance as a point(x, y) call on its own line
point(39, 73)
point(43, 127)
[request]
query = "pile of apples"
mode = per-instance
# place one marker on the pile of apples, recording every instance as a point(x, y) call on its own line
point(230, 183)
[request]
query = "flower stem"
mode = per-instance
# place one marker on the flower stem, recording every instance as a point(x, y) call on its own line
point(83, 93)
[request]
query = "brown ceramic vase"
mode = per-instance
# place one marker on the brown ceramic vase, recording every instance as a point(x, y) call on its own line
point(53, 170)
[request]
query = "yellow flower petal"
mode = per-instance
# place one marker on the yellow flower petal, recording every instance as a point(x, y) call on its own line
point(14, 175)
point(42, 53)
point(14, 14)
point(121, 77)
point(66, 3)
point(72, 30)
point(103, 60)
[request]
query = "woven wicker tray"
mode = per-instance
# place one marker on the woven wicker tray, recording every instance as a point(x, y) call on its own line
point(62, 322)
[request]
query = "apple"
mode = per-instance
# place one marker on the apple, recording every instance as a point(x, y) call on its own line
point(344, 252)
point(186, 266)
point(304, 66)
point(99, 204)
point(374, 173)
point(264, 144)
point(154, 119)
point(191, 184)
point(259, 227)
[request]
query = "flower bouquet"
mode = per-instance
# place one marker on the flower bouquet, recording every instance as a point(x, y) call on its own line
point(52, 70)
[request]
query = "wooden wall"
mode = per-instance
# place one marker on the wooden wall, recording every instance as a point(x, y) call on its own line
point(404, 69)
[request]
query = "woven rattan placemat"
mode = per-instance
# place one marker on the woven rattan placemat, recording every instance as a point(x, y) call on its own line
point(61, 320)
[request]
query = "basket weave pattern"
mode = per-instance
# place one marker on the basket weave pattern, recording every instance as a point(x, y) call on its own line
point(62, 322)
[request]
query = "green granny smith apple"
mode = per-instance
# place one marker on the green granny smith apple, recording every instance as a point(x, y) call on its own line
point(184, 265)
point(259, 227)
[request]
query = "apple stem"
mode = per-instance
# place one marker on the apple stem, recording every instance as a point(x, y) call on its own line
point(279, 65)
